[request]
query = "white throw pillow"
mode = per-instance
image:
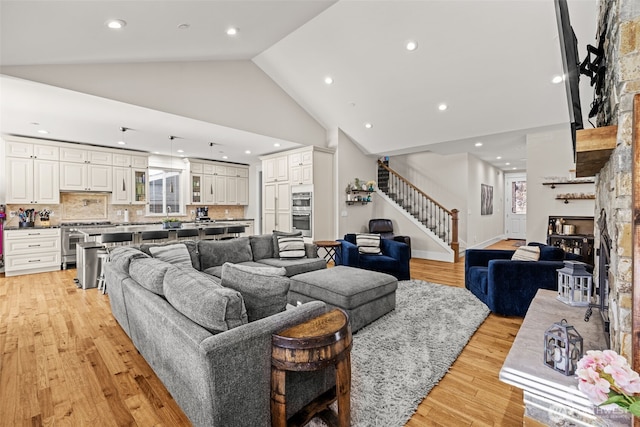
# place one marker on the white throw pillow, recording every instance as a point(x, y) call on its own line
point(368, 243)
point(173, 254)
point(291, 247)
point(526, 253)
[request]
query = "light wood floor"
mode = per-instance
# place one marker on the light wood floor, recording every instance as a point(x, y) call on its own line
point(65, 361)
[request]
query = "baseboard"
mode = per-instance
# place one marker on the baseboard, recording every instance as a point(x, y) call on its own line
point(486, 243)
point(434, 256)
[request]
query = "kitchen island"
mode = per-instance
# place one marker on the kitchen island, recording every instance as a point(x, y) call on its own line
point(94, 234)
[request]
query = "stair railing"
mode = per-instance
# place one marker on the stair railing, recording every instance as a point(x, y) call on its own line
point(440, 220)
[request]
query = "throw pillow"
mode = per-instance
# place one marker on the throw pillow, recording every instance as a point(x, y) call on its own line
point(263, 289)
point(291, 247)
point(191, 245)
point(198, 297)
point(176, 254)
point(368, 243)
point(526, 253)
point(275, 234)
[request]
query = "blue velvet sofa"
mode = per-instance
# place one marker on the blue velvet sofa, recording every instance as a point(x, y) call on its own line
point(394, 259)
point(507, 287)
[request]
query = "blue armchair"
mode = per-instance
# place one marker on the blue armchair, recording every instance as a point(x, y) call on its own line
point(394, 259)
point(507, 287)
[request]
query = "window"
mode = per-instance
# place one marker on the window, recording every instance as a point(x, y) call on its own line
point(165, 195)
point(519, 197)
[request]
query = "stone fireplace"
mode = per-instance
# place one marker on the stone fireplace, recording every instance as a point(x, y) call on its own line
point(621, 20)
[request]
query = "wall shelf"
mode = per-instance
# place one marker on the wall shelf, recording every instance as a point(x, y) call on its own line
point(570, 182)
point(355, 197)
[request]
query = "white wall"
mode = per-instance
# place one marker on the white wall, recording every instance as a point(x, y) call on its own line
point(550, 154)
point(484, 229)
point(443, 178)
point(351, 162)
point(235, 94)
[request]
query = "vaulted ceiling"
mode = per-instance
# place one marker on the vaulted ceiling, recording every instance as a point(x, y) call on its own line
point(490, 62)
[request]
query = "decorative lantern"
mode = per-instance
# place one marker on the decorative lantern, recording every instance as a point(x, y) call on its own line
point(575, 284)
point(562, 347)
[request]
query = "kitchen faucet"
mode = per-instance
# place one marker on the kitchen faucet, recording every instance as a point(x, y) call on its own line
point(168, 210)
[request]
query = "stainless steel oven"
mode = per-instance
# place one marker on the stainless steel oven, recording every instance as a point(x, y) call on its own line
point(301, 212)
point(70, 236)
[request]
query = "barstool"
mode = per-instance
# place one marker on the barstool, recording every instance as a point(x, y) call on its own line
point(186, 233)
point(234, 231)
point(110, 240)
point(155, 235)
point(215, 232)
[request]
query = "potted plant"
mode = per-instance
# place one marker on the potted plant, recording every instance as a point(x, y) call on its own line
point(171, 223)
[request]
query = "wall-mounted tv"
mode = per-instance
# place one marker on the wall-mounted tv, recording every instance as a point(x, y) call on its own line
point(570, 65)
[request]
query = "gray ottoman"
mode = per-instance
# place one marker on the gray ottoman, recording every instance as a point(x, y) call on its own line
point(365, 295)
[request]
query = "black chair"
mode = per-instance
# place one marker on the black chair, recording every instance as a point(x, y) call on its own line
point(214, 232)
point(110, 240)
point(186, 233)
point(155, 235)
point(234, 231)
point(384, 227)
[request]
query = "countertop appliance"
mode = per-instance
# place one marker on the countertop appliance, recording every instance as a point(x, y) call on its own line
point(202, 213)
point(70, 237)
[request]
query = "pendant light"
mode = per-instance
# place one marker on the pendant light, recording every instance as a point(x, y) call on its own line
point(171, 138)
point(122, 142)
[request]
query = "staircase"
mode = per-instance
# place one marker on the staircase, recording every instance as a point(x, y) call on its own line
point(440, 221)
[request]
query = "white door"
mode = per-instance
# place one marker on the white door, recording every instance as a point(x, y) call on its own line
point(516, 206)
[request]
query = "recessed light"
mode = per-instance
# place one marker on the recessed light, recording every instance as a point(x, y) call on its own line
point(277, 144)
point(121, 143)
point(328, 80)
point(247, 151)
point(411, 45)
point(232, 31)
point(43, 132)
point(507, 164)
point(116, 24)
point(184, 26)
point(181, 155)
point(225, 157)
point(499, 157)
point(156, 152)
point(514, 168)
point(368, 125)
point(478, 144)
point(557, 79)
point(180, 151)
point(442, 107)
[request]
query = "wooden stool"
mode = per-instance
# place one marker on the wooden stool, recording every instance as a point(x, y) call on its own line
point(311, 346)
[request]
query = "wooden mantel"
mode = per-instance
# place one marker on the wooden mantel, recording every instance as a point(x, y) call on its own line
point(593, 149)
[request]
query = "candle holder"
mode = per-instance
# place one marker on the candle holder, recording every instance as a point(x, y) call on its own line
point(562, 347)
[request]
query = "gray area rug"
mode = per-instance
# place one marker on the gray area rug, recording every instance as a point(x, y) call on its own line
point(396, 360)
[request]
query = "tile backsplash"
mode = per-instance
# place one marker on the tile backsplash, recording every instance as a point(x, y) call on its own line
point(96, 207)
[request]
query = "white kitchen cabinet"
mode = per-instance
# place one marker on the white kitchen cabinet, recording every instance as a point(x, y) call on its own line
point(276, 169)
point(209, 190)
point(129, 186)
point(79, 155)
point(32, 173)
point(242, 191)
point(130, 161)
point(32, 250)
point(85, 177)
point(220, 185)
point(32, 181)
point(277, 207)
point(32, 151)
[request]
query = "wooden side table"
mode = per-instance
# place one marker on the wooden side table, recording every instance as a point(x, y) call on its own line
point(333, 249)
point(311, 346)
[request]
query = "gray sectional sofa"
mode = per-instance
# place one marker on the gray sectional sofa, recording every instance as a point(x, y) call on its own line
point(208, 341)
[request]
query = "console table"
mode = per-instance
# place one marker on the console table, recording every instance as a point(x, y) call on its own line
point(551, 398)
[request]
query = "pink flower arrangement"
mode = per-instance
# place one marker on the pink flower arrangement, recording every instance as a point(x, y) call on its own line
point(606, 378)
